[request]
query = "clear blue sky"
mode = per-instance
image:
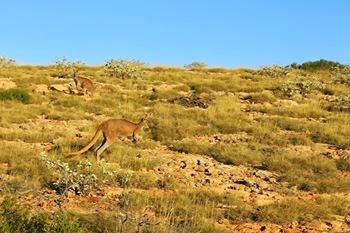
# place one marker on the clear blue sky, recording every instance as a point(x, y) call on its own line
point(220, 33)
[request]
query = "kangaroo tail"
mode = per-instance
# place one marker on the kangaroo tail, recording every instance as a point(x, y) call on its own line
point(91, 143)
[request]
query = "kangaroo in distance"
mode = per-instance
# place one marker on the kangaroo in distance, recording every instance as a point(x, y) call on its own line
point(84, 84)
point(112, 129)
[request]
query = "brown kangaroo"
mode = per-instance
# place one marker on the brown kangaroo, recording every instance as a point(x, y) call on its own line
point(84, 84)
point(112, 129)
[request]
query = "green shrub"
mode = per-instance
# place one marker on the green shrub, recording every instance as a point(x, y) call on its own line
point(196, 88)
point(124, 178)
point(123, 68)
point(15, 94)
point(320, 65)
point(343, 164)
point(196, 65)
point(16, 219)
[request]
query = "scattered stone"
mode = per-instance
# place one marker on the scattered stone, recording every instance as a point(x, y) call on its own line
point(210, 172)
point(265, 175)
point(193, 100)
point(245, 96)
point(230, 138)
point(206, 172)
point(206, 181)
point(347, 219)
point(329, 224)
point(243, 182)
point(199, 168)
point(183, 164)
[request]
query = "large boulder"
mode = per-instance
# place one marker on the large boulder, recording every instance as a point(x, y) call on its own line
point(40, 88)
point(66, 88)
point(7, 84)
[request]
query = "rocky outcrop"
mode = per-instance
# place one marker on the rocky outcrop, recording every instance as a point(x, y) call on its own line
point(7, 84)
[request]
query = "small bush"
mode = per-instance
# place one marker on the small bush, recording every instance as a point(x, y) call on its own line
point(303, 87)
point(15, 94)
point(63, 68)
point(154, 96)
point(274, 71)
point(81, 179)
point(14, 218)
point(6, 63)
point(196, 65)
point(343, 164)
point(123, 68)
point(124, 178)
point(196, 88)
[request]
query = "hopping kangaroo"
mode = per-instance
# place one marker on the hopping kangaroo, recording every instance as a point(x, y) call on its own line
point(112, 129)
point(84, 84)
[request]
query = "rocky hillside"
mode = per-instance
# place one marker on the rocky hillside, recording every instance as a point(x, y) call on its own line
point(224, 150)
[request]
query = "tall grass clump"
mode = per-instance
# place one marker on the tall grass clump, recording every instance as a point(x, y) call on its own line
point(14, 218)
point(226, 116)
point(291, 209)
point(15, 94)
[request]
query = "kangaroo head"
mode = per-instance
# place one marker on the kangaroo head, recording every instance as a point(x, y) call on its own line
point(75, 74)
point(143, 122)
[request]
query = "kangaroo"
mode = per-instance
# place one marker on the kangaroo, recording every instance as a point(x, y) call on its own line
point(112, 129)
point(84, 84)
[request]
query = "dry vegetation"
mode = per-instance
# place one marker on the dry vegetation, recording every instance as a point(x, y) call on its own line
point(224, 151)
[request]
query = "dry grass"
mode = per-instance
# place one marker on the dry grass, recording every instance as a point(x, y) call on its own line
point(277, 126)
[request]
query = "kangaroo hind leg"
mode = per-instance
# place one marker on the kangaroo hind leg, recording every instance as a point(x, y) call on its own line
point(103, 142)
point(102, 148)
